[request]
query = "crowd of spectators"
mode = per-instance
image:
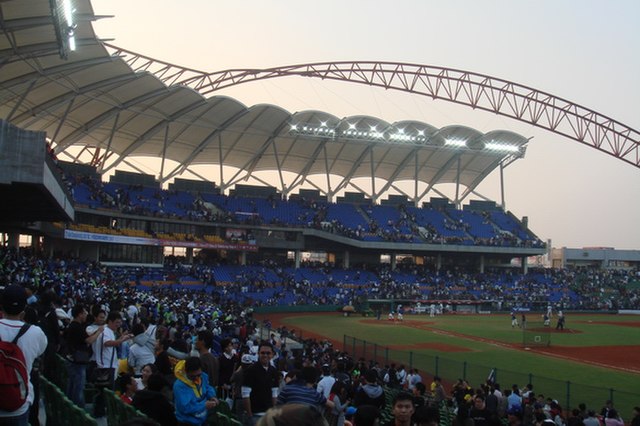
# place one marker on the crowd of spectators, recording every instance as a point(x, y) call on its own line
point(131, 199)
point(178, 339)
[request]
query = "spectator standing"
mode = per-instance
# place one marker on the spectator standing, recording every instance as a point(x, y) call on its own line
point(402, 410)
point(479, 413)
point(439, 394)
point(413, 378)
point(228, 361)
point(79, 353)
point(613, 419)
point(260, 384)
point(142, 351)
point(371, 393)
point(514, 400)
point(367, 415)
point(210, 364)
point(326, 382)
point(32, 343)
point(338, 396)
point(592, 420)
point(106, 358)
point(236, 389)
point(401, 374)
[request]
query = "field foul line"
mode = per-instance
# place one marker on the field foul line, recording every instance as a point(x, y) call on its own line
point(517, 348)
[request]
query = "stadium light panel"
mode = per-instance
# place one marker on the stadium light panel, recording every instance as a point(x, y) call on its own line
point(62, 12)
point(455, 143)
point(68, 12)
point(501, 147)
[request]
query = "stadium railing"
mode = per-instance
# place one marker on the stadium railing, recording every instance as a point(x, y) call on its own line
point(60, 410)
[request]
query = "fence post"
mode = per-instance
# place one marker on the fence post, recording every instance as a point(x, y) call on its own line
point(464, 370)
point(568, 394)
point(410, 360)
point(436, 369)
point(530, 378)
point(611, 394)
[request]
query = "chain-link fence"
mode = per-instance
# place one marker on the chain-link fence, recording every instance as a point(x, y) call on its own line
point(568, 393)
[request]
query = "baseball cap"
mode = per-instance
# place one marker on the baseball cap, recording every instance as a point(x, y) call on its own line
point(14, 299)
point(246, 359)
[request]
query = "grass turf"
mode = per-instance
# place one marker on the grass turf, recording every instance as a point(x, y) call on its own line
point(567, 380)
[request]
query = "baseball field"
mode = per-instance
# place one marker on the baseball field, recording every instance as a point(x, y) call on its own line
point(595, 357)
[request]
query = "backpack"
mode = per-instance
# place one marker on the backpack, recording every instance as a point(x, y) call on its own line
point(14, 377)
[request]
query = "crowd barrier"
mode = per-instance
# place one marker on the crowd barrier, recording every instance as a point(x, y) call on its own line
point(60, 410)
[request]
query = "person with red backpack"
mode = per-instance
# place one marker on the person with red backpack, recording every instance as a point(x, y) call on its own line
point(20, 345)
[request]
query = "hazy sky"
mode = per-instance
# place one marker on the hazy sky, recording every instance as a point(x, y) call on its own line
point(584, 51)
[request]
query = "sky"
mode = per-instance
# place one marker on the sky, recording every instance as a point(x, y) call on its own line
point(581, 50)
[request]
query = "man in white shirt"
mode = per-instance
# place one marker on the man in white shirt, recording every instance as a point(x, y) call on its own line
point(107, 357)
point(99, 321)
point(32, 343)
point(326, 382)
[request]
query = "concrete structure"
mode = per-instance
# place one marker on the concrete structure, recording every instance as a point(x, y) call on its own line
point(595, 257)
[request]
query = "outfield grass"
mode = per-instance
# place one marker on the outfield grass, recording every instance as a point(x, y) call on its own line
point(565, 380)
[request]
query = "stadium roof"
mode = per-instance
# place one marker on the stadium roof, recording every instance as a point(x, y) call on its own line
point(92, 98)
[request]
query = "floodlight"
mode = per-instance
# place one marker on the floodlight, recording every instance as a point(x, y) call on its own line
point(68, 12)
point(502, 147)
point(323, 124)
point(62, 12)
point(457, 143)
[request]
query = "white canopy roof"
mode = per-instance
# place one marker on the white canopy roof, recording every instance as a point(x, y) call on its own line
point(95, 99)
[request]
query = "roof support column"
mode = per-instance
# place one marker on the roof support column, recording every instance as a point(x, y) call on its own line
point(373, 179)
point(283, 186)
point(113, 132)
point(164, 150)
point(220, 163)
point(415, 182)
point(457, 201)
point(502, 203)
point(326, 167)
point(63, 119)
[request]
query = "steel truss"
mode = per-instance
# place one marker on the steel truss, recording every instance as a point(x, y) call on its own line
point(478, 91)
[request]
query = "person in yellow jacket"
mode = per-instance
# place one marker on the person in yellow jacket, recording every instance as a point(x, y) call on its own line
point(193, 396)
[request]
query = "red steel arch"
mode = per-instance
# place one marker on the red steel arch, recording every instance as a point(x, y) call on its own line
point(478, 91)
